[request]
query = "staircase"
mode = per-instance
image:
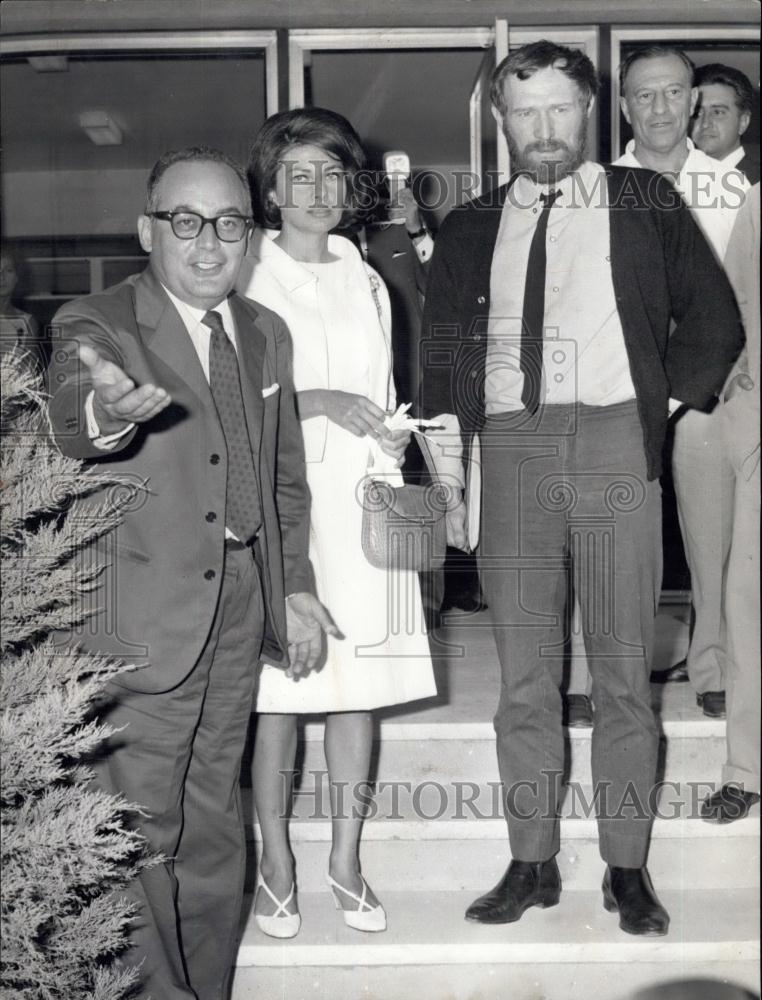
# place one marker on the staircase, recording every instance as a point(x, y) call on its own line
point(438, 840)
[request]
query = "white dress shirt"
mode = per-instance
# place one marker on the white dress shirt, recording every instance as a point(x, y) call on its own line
point(584, 358)
point(711, 191)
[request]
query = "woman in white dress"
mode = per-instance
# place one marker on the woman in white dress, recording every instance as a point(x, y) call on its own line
point(302, 167)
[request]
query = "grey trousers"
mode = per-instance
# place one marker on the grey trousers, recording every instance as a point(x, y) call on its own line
point(739, 419)
point(179, 758)
point(566, 499)
point(703, 480)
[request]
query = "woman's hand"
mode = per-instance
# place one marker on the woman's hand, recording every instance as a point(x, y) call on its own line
point(395, 444)
point(356, 414)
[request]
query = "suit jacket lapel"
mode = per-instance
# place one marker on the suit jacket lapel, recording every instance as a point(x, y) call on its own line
point(169, 339)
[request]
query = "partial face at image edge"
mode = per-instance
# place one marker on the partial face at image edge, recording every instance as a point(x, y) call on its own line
point(719, 123)
point(8, 276)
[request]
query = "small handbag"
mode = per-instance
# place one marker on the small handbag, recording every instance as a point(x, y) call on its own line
point(403, 527)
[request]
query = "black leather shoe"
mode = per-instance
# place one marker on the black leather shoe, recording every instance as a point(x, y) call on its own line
point(524, 884)
point(630, 892)
point(728, 804)
point(676, 674)
point(577, 711)
point(712, 703)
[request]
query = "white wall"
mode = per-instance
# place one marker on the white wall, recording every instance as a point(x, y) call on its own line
point(72, 202)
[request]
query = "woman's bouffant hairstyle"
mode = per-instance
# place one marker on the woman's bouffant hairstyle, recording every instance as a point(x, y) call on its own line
point(319, 127)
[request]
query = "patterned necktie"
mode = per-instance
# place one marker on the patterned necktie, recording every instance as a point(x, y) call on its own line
point(243, 515)
point(530, 358)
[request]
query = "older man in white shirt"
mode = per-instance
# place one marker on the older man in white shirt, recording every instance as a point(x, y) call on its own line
point(658, 100)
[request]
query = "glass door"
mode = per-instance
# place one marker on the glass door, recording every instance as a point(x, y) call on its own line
point(84, 118)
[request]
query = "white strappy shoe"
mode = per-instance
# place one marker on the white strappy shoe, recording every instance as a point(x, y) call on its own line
point(365, 917)
point(280, 924)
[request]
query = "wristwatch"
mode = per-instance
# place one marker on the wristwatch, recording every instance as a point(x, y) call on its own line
point(418, 233)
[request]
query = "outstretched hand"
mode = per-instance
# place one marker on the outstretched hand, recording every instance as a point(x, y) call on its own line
point(306, 620)
point(117, 401)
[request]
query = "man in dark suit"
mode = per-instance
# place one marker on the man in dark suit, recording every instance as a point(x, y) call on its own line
point(723, 114)
point(185, 389)
point(547, 331)
point(399, 246)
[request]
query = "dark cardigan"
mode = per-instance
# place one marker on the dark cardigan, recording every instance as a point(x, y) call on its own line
point(681, 325)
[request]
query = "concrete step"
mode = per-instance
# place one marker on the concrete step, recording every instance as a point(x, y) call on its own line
point(520, 981)
point(468, 853)
point(429, 952)
point(476, 865)
point(690, 750)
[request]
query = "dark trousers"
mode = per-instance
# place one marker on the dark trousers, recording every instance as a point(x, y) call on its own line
point(178, 757)
point(567, 504)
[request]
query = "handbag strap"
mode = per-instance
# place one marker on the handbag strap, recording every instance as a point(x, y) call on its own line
point(375, 284)
point(423, 444)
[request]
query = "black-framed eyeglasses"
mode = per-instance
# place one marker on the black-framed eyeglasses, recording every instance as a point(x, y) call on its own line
point(187, 225)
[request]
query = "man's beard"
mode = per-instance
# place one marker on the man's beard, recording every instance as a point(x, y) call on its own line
point(553, 169)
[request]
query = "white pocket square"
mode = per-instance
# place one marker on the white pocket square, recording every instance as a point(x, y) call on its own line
point(270, 390)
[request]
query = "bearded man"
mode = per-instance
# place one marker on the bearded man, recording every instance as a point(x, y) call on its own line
point(563, 311)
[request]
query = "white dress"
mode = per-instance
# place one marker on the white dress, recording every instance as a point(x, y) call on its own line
point(340, 343)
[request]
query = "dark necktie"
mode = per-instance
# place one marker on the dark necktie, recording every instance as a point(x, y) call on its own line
point(243, 515)
point(532, 321)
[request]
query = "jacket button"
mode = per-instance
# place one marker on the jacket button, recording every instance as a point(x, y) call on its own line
point(210, 574)
point(214, 459)
point(481, 300)
point(211, 516)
